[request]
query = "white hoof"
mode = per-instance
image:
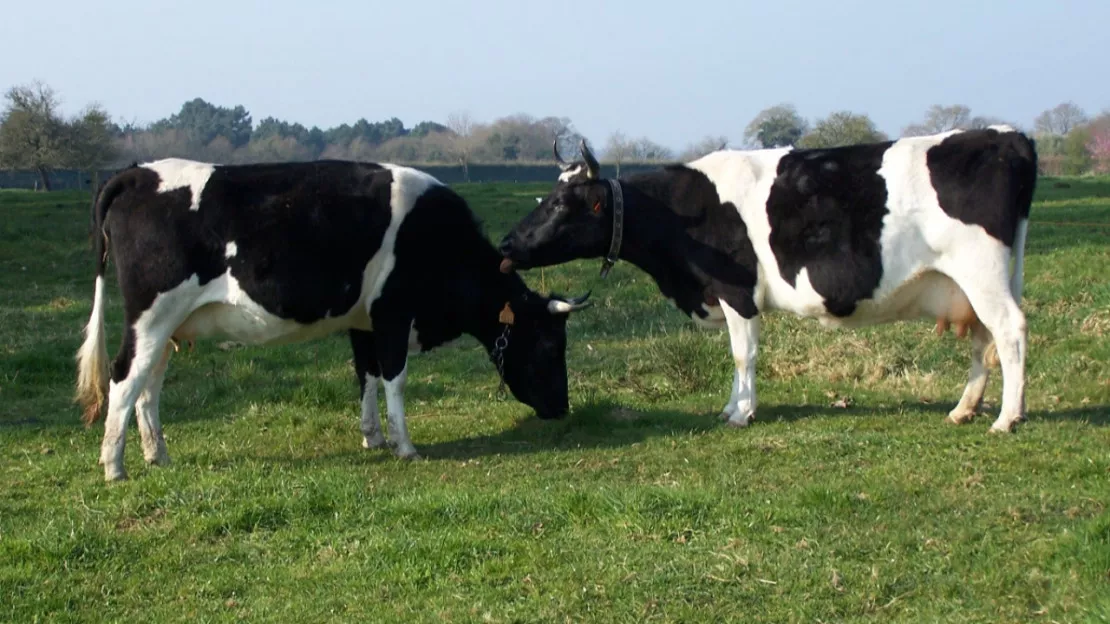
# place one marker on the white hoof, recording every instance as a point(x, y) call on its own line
point(114, 473)
point(376, 443)
point(740, 421)
point(159, 459)
point(960, 417)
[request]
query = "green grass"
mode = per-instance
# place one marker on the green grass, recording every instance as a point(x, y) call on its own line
point(640, 506)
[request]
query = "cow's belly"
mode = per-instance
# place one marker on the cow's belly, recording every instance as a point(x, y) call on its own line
point(225, 310)
point(251, 325)
point(928, 294)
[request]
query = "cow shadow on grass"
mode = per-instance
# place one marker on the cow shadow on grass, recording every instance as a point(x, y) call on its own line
point(607, 425)
point(1098, 415)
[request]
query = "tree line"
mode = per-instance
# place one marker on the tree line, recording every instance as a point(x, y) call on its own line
point(34, 135)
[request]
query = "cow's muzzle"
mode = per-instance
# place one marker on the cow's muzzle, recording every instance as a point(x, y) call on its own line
point(512, 257)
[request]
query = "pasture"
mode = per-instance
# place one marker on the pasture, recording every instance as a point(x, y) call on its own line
point(848, 499)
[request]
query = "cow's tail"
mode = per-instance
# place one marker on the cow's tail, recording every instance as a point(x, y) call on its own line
point(92, 357)
point(1024, 166)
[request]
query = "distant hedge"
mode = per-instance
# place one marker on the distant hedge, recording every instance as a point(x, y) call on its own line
point(63, 179)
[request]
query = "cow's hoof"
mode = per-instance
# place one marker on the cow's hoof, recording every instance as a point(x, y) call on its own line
point(409, 455)
point(739, 423)
point(1003, 427)
point(960, 417)
point(160, 459)
point(377, 444)
point(114, 473)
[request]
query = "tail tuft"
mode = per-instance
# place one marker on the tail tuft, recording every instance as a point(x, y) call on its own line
point(92, 362)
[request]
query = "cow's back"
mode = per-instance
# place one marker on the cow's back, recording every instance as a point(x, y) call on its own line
point(295, 242)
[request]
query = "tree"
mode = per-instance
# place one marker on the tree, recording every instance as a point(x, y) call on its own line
point(1099, 144)
point(150, 145)
point(707, 145)
point(777, 126)
point(32, 133)
point(646, 150)
point(462, 128)
point(842, 128)
point(617, 148)
point(92, 140)
point(204, 122)
point(1077, 159)
point(275, 148)
point(425, 128)
point(940, 119)
point(562, 130)
point(1060, 120)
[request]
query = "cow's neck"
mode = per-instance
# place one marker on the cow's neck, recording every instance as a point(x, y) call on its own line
point(663, 239)
point(477, 292)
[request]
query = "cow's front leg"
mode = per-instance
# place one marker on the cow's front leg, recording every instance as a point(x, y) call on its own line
point(391, 344)
point(743, 335)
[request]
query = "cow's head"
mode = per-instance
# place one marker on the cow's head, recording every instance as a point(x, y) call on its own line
point(573, 221)
point(533, 345)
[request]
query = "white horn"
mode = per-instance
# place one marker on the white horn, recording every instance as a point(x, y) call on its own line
point(558, 306)
point(593, 169)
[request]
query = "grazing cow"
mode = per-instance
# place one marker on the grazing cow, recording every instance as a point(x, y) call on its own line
point(856, 235)
point(282, 253)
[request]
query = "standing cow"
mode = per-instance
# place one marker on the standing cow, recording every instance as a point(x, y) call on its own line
point(856, 235)
point(281, 253)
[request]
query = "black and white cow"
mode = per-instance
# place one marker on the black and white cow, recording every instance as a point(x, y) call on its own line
point(281, 253)
point(857, 235)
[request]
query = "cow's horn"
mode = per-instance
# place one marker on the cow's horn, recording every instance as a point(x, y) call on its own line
point(557, 306)
point(593, 168)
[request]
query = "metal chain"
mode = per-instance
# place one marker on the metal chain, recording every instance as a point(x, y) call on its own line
point(498, 357)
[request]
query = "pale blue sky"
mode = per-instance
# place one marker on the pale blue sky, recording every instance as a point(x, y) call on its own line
point(673, 71)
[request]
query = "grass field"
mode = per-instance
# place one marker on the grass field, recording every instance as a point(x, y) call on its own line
point(640, 506)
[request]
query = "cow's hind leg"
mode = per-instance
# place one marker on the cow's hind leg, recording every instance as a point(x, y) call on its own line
point(368, 373)
point(972, 398)
point(985, 281)
point(146, 413)
point(733, 399)
point(743, 335)
point(132, 369)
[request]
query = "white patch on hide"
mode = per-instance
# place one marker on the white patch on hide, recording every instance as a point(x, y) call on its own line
point(175, 173)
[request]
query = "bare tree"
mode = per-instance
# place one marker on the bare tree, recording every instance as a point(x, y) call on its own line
point(941, 119)
point(980, 122)
point(462, 127)
point(707, 145)
point(1060, 120)
point(151, 145)
point(646, 150)
point(32, 134)
point(562, 130)
point(617, 149)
